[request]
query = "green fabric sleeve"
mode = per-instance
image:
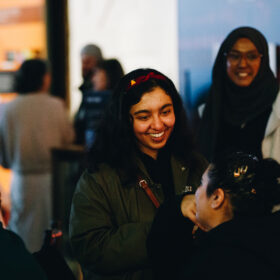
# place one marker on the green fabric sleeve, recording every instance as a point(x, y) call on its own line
point(99, 243)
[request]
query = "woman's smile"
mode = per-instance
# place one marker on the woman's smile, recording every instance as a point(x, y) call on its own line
point(157, 135)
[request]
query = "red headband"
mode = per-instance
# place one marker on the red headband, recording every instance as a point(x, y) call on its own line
point(142, 79)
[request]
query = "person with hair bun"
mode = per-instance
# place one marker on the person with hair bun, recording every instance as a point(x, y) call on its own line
point(142, 155)
point(239, 229)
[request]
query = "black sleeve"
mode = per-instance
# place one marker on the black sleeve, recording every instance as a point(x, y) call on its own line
point(170, 240)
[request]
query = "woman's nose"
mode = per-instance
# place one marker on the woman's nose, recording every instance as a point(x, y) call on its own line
point(157, 123)
point(243, 61)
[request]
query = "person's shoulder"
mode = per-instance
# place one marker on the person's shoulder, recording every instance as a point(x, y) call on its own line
point(101, 169)
point(14, 251)
point(4, 108)
point(55, 103)
point(54, 99)
point(103, 176)
point(105, 173)
point(10, 240)
point(7, 109)
point(276, 105)
point(12, 103)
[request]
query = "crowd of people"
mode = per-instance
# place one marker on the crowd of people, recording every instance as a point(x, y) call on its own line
point(155, 201)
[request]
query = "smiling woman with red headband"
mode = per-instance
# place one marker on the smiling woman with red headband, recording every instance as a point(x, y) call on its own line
point(143, 155)
point(242, 111)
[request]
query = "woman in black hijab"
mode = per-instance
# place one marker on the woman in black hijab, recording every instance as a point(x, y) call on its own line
point(239, 113)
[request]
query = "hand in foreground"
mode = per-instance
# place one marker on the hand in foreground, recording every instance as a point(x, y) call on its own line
point(188, 209)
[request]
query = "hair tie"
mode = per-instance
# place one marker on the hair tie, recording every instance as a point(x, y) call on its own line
point(144, 78)
point(240, 171)
point(253, 191)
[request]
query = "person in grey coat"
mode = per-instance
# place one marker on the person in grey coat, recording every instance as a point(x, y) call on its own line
point(30, 126)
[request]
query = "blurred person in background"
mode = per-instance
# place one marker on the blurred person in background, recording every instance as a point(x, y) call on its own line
point(243, 107)
point(91, 55)
point(107, 74)
point(30, 126)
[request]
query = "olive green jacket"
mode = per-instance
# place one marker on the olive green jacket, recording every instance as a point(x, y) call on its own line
point(109, 221)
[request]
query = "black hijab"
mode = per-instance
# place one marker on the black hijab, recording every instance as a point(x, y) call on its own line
point(231, 103)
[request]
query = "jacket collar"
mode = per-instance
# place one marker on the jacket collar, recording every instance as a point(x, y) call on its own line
point(180, 175)
point(179, 169)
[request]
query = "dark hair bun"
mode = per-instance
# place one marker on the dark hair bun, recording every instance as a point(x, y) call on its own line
point(235, 172)
point(242, 168)
point(253, 184)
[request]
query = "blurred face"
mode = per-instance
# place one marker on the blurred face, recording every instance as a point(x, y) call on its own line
point(99, 80)
point(243, 62)
point(88, 65)
point(153, 121)
point(203, 203)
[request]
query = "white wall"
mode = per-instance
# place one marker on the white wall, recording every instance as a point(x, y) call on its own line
point(140, 33)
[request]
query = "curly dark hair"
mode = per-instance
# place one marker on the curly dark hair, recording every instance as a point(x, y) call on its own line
point(253, 185)
point(115, 142)
point(29, 77)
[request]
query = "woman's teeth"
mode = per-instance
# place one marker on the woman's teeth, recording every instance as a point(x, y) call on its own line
point(242, 74)
point(157, 134)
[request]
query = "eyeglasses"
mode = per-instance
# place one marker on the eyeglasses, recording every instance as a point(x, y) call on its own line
point(234, 57)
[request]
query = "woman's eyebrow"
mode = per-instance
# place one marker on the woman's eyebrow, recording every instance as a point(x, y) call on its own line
point(166, 105)
point(250, 51)
point(148, 111)
point(141, 111)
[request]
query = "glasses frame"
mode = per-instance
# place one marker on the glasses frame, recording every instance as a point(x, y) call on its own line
point(242, 55)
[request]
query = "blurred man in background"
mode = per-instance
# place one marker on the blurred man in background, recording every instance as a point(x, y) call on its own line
point(91, 55)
